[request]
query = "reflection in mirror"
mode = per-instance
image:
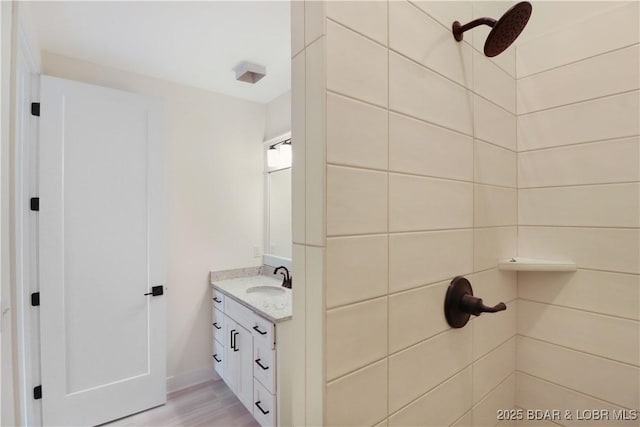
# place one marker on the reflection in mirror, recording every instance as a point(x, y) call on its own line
point(279, 238)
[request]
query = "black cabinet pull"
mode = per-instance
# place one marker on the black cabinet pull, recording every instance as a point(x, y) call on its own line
point(217, 300)
point(235, 342)
point(261, 365)
point(215, 324)
point(255, 328)
point(260, 407)
point(216, 358)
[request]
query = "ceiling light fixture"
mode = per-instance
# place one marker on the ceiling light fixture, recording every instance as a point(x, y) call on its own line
point(249, 72)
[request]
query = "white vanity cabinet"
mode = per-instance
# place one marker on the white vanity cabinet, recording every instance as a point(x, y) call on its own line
point(245, 355)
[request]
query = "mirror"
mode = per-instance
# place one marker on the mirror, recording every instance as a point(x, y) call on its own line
point(278, 236)
point(280, 240)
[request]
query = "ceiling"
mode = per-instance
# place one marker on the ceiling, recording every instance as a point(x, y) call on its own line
point(193, 43)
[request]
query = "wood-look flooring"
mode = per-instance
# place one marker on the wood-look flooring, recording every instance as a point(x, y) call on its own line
point(211, 404)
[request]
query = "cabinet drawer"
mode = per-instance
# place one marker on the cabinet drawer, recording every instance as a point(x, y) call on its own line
point(263, 332)
point(239, 313)
point(218, 300)
point(264, 410)
point(218, 358)
point(264, 366)
point(218, 325)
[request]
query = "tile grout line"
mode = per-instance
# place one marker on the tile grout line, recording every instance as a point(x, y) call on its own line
point(581, 101)
point(582, 352)
point(573, 144)
point(573, 390)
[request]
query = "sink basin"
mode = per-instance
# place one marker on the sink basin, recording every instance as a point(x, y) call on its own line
point(269, 291)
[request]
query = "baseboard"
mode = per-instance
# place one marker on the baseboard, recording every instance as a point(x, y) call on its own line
point(189, 378)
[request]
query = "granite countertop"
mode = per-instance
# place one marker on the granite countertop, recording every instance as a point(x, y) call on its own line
point(276, 308)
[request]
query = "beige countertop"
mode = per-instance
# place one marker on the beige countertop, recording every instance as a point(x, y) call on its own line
point(276, 308)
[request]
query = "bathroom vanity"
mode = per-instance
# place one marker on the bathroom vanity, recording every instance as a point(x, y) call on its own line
point(251, 343)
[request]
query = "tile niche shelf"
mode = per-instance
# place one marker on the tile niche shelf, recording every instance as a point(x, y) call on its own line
point(535, 264)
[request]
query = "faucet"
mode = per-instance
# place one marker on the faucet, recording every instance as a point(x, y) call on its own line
point(286, 278)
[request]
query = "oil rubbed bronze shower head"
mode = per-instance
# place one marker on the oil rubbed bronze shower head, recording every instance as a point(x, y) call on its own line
point(504, 31)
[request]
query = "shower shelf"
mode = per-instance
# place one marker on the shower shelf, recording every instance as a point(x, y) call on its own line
point(534, 264)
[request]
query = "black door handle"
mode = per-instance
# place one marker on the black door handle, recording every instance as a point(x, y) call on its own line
point(215, 325)
point(217, 300)
point(216, 359)
point(260, 407)
point(255, 328)
point(235, 342)
point(261, 365)
point(156, 291)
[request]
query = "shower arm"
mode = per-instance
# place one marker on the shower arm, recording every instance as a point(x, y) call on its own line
point(458, 29)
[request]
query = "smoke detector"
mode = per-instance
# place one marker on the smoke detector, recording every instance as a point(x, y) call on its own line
point(249, 72)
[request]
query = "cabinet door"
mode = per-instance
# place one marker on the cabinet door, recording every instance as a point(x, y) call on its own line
point(230, 366)
point(244, 355)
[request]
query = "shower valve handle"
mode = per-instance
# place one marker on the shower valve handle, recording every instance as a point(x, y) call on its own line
point(474, 305)
point(460, 304)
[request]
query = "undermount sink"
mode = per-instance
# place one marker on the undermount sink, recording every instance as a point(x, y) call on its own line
point(270, 291)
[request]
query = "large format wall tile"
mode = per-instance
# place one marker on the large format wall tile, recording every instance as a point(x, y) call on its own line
point(441, 53)
point(607, 336)
point(356, 269)
point(611, 117)
point(439, 407)
point(494, 124)
point(598, 34)
point(356, 66)
point(366, 17)
point(492, 369)
point(492, 245)
point(592, 375)
point(359, 398)
point(602, 75)
point(356, 201)
point(603, 292)
point(494, 206)
point(357, 133)
point(534, 393)
point(417, 259)
point(417, 203)
point(502, 397)
point(494, 165)
point(356, 336)
point(420, 368)
point(592, 163)
point(416, 315)
point(610, 205)
point(419, 92)
point(421, 148)
point(493, 83)
point(608, 249)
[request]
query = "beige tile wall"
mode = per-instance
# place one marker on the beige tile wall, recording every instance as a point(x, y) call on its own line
point(416, 159)
point(578, 345)
point(418, 179)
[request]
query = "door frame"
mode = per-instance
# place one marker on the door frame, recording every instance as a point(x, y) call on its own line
point(24, 158)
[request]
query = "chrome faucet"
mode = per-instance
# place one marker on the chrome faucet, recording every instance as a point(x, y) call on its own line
point(286, 278)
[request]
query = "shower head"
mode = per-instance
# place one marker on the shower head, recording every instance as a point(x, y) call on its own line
point(504, 31)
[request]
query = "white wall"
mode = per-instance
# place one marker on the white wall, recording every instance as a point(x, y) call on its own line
point(215, 190)
point(278, 116)
point(579, 199)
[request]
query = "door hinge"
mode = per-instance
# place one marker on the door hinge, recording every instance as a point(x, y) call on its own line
point(37, 392)
point(35, 109)
point(35, 204)
point(35, 299)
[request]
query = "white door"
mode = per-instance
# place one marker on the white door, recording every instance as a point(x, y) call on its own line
point(102, 247)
